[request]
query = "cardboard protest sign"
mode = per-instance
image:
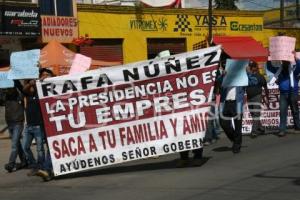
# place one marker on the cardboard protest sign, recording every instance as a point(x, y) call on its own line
point(114, 115)
point(24, 64)
point(298, 55)
point(4, 81)
point(236, 74)
point(270, 116)
point(80, 64)
point(281, 48)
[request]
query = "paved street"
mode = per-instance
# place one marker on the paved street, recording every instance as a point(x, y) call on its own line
point(268, 168)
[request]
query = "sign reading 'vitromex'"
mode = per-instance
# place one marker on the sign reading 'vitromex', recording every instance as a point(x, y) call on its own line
point(119, 114)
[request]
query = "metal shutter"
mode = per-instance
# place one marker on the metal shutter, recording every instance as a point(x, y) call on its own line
point(107, 51)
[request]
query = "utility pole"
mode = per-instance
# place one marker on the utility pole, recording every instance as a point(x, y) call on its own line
point(297, 10)
point(281, 13)
point(209, 22)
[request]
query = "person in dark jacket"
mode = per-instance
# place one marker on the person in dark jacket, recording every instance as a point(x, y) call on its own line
point(254, 97)
point(14, 117)
point(231, 112)
point(287, 81)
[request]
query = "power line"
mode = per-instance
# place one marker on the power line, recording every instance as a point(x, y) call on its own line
point(259, 4)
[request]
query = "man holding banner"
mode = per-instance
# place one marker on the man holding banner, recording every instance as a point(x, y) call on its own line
point(114, 115)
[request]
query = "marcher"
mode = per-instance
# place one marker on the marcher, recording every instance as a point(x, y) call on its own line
point(35, 127)
point(213, 127)
point(231, 112)
point(46, 170)
point(14, 117)
point(254, 98)
point(287, 81)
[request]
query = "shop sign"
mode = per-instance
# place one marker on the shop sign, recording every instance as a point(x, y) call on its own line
point(236, 26)
point(20, 21)
point(61, 29)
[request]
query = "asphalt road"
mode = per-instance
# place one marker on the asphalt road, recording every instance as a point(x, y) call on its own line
point(268, 168)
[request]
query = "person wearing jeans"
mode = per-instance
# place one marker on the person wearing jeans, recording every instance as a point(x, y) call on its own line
point(287, 80)
point(286, 100)
point(231, 111)
point(34, 128)
point(254, 97)
point(34, 132)
point(14, 117)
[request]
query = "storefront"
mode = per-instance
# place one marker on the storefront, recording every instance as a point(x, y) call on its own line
point(143, 32)
point(19, 29)
point(140, 33)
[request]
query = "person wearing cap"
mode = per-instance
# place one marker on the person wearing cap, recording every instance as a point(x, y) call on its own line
point(254, 98)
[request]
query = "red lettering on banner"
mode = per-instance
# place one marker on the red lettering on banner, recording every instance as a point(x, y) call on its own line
point(56, 149)
point(186, 126)
point(194, 124)
point(174, 126)
point(102, 135)
point(142, 133)
point(93, 146)
point(68, 147)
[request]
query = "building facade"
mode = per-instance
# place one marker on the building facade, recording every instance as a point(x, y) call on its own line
point(131, 34)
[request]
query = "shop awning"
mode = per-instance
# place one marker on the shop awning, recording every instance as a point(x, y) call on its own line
point(242, 48)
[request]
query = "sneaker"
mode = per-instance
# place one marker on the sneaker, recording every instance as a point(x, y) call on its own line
point(236, 148)
point(253, 135)
point(32, 172)
point(21, 166)
point(197, 162)
point(207, 143)
point(9, 168)
point(44, 174)
point(297, 130)
point(213, 141)
point(281, 134)
point(262, 131)
point(182, 163)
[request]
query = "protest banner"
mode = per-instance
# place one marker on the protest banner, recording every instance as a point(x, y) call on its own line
point(80, 64)
point(119, 114)
point(236, 74)
point(24, 65)
point(270, 115)
point(4, 81)
point(282, 47)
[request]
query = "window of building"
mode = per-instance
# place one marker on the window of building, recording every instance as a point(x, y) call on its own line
point(104, 49)
point(63, 8)
point(174, 45)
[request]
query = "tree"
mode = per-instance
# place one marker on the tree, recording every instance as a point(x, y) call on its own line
point(226, 4)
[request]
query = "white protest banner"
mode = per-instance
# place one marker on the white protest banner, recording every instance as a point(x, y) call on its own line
point(4, 81)
point(80, 64)
point(236, 74)
point(119, 114)
point(269, 115)
point(24, 64)
point(281, 48)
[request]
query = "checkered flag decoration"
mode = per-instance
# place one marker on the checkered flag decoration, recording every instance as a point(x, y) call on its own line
point(182, 24)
